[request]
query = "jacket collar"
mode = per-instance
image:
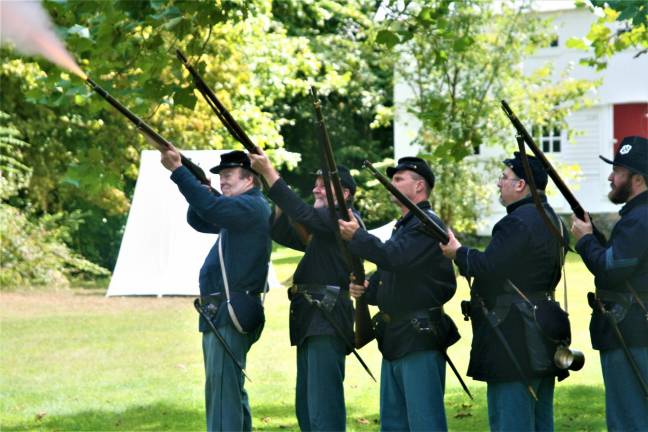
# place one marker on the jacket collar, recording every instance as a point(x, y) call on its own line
point(641, 199)
point(526, 200)
point(403, 220)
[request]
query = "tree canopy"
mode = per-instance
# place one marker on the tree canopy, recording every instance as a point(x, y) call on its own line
point(83, 156)
point(622, 25)
point(74, 159)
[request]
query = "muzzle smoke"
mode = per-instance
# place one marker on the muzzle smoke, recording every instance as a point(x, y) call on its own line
point(26, 25)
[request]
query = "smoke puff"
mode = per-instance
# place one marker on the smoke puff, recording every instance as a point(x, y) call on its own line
point(26, 25)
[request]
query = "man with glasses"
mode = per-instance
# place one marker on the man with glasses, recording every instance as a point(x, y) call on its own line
point(620, 268)
point(520, 266)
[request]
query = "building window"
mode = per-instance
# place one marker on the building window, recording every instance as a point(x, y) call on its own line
point(629, 119)
point(554, 42)
point(548, 138)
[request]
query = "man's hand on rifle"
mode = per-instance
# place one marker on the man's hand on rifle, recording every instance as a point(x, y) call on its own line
point(356, 290)
point(261, 164)
point(170, 158)
point(450, 249)
point(348, 229)
point(581, 228)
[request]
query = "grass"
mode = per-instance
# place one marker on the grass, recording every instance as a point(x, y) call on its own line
point(76, 360)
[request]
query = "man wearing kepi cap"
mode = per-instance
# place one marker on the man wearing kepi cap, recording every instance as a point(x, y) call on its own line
point(412, 283)
point(519, 269)
point(620, 269)
point(322, 275)
point(231, 280)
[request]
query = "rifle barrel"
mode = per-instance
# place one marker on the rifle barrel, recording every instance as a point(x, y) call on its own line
point(138, 122)
point(558, 181)
point(148, 131)
point(219, 109)
point(363, 332)
point(330, 159)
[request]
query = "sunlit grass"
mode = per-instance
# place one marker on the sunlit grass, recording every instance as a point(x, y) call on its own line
point(80, 361)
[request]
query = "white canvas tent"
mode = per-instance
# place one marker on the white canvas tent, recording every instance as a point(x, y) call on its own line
point(384, 232)
point(160, 253)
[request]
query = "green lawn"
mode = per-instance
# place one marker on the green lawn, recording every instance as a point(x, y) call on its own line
point(75, 360)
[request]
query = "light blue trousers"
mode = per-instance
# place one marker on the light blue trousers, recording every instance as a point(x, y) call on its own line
point(319, 395)
point(226, 401)
point(411, 393)
point(626, 407)
point(511, 407)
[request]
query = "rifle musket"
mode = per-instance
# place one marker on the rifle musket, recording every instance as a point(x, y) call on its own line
point(147, 130)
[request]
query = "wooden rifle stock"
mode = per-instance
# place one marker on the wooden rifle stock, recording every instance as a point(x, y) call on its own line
point(428, 224)
point(147, 130)
point(232, 126)
point(363, 329)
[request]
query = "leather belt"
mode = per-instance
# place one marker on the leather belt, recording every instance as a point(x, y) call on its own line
point(217, 298)
point(510, 298)
point(431, 312)
point(317, 289)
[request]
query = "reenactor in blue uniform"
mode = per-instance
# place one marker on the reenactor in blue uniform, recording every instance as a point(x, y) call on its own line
point(410, 286)
point(241, 217)
point(321, 275)
point(620, 269)
point(523, 255)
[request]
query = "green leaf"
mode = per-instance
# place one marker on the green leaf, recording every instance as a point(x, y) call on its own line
point(173, 22)
point(388, 38)
point(577, 43)
point(185, 97)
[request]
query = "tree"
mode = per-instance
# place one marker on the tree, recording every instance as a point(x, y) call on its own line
point(622, 25)
point(83, 155)
point(357, 108)
point(33, 251)
point(459, 60)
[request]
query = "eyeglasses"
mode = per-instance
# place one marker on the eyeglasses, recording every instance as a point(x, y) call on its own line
point(503, 177)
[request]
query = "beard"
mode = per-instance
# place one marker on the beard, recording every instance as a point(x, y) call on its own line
point(320, 202)
point(620, 193)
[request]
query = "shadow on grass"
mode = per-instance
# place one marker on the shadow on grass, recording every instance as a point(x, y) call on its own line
point(155, 417)
point(578, 407)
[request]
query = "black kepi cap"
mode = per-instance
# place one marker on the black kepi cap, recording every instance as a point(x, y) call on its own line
point(346, 179)
point(411, 163)
point(233, 159)
point(537, 170)
point(632, 154)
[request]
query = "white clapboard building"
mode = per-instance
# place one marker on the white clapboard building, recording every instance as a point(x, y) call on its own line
point(621, 109)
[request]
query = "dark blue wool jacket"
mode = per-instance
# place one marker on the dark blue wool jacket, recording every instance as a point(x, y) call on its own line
point(524, 250)
point(244, 224)
point(321, 264)
point(412, 275)
point(623, 259)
